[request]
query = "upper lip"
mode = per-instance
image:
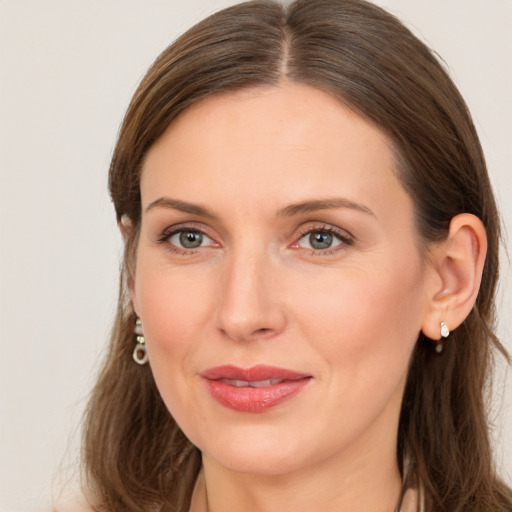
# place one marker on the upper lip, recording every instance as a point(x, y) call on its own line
point(253, 374)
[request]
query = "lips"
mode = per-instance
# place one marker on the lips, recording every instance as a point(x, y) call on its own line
point(255, 384)
point(253, 389)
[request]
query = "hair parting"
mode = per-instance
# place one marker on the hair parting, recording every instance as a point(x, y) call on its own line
point(135, 455)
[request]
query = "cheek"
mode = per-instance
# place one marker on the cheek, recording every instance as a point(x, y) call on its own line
point(174, 310)
point(365, 329)
point(366, 316)
point(174, 307)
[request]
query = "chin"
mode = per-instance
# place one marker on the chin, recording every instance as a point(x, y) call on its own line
point(260, 452)
point(256, 462)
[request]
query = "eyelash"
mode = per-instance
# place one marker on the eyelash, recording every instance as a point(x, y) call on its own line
point(343, 237)
point(165, 237)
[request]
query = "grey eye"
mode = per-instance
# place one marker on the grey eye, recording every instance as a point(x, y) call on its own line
point(188, 239)
point(191, 239)
point(320, 240)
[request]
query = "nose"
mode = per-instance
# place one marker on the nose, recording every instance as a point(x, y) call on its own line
point(250, 305)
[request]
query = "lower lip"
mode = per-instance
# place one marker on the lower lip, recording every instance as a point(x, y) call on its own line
point(247, 399)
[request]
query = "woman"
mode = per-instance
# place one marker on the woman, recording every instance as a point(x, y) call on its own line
point(311, 254)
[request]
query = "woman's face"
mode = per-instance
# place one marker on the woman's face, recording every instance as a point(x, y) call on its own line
point(278, 280)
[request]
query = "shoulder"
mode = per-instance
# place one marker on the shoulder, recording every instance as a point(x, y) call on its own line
point(72, 501)
point(72, 507)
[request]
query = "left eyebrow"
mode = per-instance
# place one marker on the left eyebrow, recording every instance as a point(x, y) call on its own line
point(323, 204)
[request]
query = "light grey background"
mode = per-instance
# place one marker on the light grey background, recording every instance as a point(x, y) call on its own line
point(67, 71)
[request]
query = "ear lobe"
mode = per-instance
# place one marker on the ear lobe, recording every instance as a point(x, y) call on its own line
point(457, 263)
point(125, 226)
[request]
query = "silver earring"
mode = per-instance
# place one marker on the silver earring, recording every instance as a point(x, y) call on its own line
point(445, 332)
point(140, 354)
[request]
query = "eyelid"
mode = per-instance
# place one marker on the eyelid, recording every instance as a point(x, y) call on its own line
point(180, 226)
point(165, 236)
point(204, 238)
point(345, 238)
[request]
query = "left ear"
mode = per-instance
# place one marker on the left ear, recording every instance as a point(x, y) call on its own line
point(457, 265)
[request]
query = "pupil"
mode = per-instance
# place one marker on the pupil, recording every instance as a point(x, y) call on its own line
point(191, 239)
point(320, 240)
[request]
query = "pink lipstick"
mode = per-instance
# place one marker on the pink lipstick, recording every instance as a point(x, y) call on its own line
point(253, 389)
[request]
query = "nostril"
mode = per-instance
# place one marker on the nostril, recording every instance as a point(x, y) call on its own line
point(262, 332)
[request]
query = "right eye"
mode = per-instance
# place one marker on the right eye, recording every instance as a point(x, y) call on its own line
point(189, 239)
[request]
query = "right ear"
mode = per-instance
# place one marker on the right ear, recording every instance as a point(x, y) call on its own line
point(125, 225)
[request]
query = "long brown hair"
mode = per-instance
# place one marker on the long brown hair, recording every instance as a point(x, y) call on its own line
point(135, 456)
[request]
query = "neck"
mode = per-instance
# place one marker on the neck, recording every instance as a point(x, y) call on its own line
point(362, 476)
point(364, 482)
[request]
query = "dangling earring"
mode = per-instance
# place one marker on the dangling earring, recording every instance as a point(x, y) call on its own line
point(140, 354)
point(445, 332)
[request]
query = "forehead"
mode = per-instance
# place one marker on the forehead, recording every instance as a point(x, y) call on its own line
point(280, 142)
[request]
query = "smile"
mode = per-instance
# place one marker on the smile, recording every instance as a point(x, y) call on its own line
point(254, 384)
point(256, 389)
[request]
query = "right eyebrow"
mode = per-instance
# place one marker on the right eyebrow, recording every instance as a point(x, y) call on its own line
point(182, 206)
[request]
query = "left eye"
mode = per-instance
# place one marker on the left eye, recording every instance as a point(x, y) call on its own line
point(320, 239)
point(189, 239)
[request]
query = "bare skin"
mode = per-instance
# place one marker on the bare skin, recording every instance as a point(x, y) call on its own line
point(275, 232)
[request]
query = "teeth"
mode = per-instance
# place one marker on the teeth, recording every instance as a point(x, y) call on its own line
point(236, 383)
point(261, 383)
point(252, 384)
